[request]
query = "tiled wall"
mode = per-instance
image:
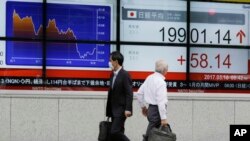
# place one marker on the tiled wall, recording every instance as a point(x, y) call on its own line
point(65, 118)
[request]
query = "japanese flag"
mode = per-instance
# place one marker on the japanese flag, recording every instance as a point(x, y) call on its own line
point(131, 14)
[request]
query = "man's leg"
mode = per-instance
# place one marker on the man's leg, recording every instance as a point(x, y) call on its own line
point(153, 119)
point(117, 129)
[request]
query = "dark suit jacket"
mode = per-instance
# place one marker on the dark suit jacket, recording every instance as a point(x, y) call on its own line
point(120, 97)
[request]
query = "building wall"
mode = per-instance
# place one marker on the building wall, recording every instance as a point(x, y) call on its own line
point(75, 116)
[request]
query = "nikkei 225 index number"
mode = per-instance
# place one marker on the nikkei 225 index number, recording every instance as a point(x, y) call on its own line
point(196, 35)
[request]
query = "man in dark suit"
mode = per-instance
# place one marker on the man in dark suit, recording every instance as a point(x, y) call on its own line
point(120, 97)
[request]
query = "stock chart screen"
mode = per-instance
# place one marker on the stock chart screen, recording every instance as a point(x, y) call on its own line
point(64, 22)
point(53, 36)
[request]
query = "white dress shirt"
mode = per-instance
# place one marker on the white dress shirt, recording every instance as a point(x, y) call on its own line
point(154, 91)
point(115, 74)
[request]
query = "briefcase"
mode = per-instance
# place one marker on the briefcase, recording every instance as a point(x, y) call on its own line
point(162, 134)
point(104, 130)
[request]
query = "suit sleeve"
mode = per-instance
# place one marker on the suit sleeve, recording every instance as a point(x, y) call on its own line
point(129, 92)
point(108, 105)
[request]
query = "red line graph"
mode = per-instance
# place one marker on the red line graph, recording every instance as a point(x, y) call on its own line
point(25, 27)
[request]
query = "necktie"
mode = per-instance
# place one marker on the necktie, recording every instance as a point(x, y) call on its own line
point(114, 77)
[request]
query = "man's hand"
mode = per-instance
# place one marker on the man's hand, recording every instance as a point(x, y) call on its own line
point(164, 122)
point(128, 114)
point(144, 111)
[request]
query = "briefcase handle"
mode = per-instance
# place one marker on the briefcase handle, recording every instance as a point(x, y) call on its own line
point(168, 128)
point(108, 118)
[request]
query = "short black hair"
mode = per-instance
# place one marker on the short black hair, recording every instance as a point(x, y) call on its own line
point(116, 55)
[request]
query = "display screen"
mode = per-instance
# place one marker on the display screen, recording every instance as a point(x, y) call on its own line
point(210, 53)
point(64, 22)
point(64, 36)
point(214, 25)
point(153, 21)
point(220, 26)
point(66, 44)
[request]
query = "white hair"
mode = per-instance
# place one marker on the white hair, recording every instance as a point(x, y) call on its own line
point(161, 66)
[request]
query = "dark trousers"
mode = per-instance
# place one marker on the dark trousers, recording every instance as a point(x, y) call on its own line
point(154, 119)
point(117, 129)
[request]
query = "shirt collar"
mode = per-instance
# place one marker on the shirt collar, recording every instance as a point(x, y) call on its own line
point(160, 75)
point(117, 71)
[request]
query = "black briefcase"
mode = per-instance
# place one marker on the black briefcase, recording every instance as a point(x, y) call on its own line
point(162, 134)
point(104, 130)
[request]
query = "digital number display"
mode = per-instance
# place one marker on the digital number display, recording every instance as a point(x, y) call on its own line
point(148, 22)
point(211, 25)
point(207, 60)
point(154, 23)
point(224, 24)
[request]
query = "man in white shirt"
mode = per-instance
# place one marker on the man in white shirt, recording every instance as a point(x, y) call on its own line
point(153, 92)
